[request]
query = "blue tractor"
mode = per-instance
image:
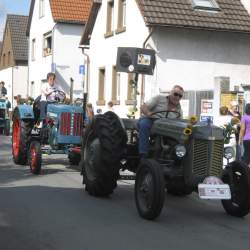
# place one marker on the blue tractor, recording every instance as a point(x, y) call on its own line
point(60, 133)
point(4, 117)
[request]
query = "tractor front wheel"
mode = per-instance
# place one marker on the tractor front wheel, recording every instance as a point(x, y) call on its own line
point(237, 176)
point(149, 189)
point(35, 157)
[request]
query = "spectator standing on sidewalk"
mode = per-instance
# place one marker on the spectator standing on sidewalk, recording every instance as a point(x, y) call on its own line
point(3, 90)
point(245, 134)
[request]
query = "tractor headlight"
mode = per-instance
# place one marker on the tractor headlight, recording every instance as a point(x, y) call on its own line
point(180, 151)
point(229, 153)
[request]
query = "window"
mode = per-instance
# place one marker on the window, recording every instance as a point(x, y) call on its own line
point(32, 92)
point(205, 4)
point(33, 49)
point(9, 58)
point(101, 87)
point(110, 19)
point(115, 86)
point(3, 59)
point(41, 8)
point(121, 20)
point(47, 44)
point(129, 100)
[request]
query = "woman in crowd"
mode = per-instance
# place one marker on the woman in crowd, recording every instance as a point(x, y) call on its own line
point(245, 134)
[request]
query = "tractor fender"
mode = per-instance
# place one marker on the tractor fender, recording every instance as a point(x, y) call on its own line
point(24, 111)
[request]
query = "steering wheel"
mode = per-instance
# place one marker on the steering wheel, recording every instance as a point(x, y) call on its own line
point(57, 99)
point(178, 114)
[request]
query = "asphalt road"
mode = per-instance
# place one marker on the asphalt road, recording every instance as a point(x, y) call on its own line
point(53, 212)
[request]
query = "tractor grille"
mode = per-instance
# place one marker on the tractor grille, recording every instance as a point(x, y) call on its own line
point(71, 124)
point(207, 157)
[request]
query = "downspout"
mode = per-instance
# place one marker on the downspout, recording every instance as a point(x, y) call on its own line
point(86, 85)
point(12, 99)
point(53, 43)
point(28, 75)
point(143, 77)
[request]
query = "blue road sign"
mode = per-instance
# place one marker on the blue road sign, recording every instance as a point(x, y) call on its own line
point(82, 69)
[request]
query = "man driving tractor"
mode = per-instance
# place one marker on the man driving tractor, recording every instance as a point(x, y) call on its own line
point(154, 109)
point(50, 92)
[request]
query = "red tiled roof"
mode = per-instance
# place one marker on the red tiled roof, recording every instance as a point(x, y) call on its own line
point(76, 11)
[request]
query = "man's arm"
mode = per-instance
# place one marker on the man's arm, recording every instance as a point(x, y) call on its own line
point(145, 110)
point(242, 130)
point(147, 107)
point(44, 90)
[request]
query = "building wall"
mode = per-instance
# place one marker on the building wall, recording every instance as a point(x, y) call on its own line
point(15, 79)
point(194, 59)
point(66, 56)
point(6, 49)
point(103, 52)
point(191, 58)
point(39, 67)
point(246, 4)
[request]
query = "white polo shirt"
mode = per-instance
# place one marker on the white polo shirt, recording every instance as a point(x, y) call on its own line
point(46, 88)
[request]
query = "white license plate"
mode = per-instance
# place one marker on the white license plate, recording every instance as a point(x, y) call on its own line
point(214, 191)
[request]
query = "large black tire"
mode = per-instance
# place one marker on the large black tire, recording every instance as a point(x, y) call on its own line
point(104, 142)
point(74, 158)
point(21, 135)
point(237, 176)
point(35, 157)
point(149, 189)
point(7, 128)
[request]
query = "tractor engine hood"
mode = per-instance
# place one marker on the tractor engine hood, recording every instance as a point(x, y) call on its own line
point(174, 128)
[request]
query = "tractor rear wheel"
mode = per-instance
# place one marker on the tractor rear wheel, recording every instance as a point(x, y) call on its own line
point(104, 142)
point(237, 176)
point(35, 157)
point(21, 135)
point(74, 157)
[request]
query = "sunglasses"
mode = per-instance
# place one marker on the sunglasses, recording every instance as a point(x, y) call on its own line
point(177, 94)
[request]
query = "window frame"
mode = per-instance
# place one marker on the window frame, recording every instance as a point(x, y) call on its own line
point(4, 58)
point(41, 8)
point(215, 6)
point(47, 50)
point(33, 49)
point(121, 18)
point(129, 100)
point(115, 90)
point(8, 59)
point(110, 19)
point(101, 86)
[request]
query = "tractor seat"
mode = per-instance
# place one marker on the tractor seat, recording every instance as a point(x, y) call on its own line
point(36, 107)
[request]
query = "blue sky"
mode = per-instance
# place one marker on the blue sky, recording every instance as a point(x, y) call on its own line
point(20, 7)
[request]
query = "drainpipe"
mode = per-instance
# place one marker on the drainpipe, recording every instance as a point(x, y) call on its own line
point(143, 77)
point(86, 86)
point(53, 47)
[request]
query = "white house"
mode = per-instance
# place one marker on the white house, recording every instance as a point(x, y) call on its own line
point(54, 30)
point(14, 57)
point(202, 45)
